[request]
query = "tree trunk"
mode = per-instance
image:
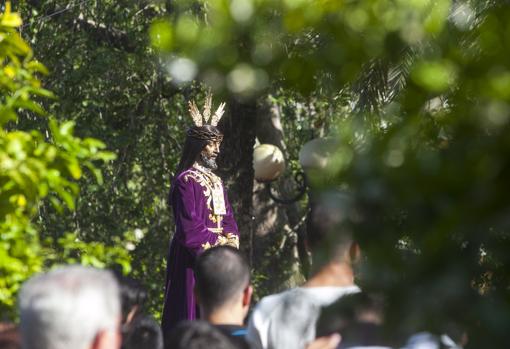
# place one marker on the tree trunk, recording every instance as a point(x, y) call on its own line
point(236, 167)
point(272, 235)
point(279, 250)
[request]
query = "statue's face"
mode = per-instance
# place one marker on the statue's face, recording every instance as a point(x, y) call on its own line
point(209, 154)
point(212, 149)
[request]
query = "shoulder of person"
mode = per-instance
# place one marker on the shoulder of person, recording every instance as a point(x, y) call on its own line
point(279, 303)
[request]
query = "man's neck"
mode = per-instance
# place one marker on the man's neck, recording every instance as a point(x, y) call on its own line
point(224, 317)
point(332, 274)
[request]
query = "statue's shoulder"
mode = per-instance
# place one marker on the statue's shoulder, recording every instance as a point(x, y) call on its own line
point(191, 174)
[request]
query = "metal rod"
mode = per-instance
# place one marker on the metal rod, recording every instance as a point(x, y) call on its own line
point(301, 181)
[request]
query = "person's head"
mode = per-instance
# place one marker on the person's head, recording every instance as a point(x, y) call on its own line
point(202, 145)
point(328, 232)
point(132, 296)
point(223, 281)
point(143, 333)
point(197, 335)
point(357, 317)
point(71, 307)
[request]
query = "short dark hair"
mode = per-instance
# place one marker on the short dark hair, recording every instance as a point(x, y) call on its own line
point(197, 335)
point(328, 222)
point(358, 318)
point(220, 272)
point(132, 294)
point(144, 333)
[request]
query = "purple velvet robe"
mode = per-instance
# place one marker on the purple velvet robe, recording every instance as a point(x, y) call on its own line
point(196, 228)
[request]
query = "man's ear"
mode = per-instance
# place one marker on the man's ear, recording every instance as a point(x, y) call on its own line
point(354, 252)
point(247, 293)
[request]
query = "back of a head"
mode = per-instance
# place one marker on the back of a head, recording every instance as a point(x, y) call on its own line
point(143, 333)
point(357, 317)
point(67, 308)
point(197, 335)
point(328, 229)
point(221, 273)
point(132, 295)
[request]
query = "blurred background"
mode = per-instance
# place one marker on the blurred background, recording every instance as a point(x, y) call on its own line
point(407, 99)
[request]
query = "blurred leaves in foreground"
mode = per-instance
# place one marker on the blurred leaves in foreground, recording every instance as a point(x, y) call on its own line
point(427, 165)
point(35, 166)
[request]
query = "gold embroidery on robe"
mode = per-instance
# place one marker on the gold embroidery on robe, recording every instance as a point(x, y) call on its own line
point(228, 240)
point(204, 183)
point(209, 181)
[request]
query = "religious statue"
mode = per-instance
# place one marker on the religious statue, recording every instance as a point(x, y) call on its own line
point(202, 213)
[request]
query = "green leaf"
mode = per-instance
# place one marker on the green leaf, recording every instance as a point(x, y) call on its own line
point(38, 67)
point(74, 169)
point(57, 204)
point(435, 76)
point(66, 128)
point(6, 115)
point(43, 93)
point(12, 20)
point(67, 197)
point(161, 35)
point(29, 105)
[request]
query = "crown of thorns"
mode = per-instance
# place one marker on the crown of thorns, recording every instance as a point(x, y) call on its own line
point(204, 134)
point(205, 118)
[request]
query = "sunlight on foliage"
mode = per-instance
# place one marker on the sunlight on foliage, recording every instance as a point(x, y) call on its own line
point(34, 167)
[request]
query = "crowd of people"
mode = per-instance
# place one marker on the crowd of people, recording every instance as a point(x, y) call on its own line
point(85, 308)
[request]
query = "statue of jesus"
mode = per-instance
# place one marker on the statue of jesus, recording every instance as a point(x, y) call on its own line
point(202, 213)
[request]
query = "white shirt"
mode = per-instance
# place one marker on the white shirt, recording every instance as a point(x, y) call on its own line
point(287, 320)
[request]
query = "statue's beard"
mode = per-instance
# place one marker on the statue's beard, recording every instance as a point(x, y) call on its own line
point(208, 161)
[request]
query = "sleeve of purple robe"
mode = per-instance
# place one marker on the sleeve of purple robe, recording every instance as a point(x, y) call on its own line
point(192, 232)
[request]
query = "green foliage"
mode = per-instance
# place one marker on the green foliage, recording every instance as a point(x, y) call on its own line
point(243, 45)
point(427, 168)
point(35, 167)
point(114, 88)
point(415, 92)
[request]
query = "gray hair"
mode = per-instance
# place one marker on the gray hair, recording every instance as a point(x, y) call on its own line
point(67, 307)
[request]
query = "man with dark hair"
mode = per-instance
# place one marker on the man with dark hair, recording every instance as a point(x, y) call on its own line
point(223, 291)
point(202, 213)
point(138, 329)
point(287, 320)
point(132, 296)
point(143, 333)
point(358, 318)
